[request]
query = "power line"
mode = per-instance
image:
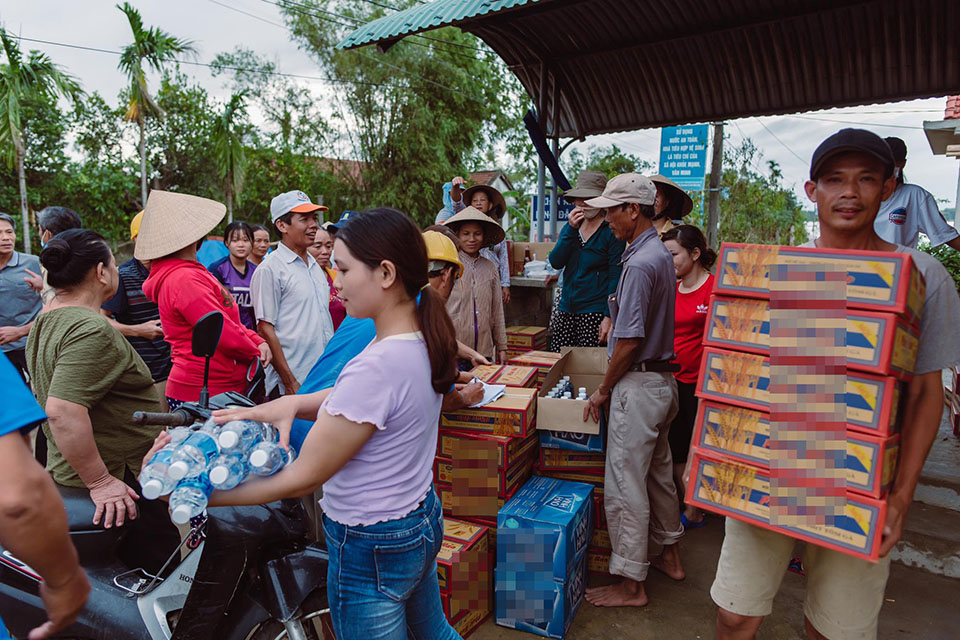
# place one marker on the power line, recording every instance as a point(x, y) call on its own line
point(247, 13)
point(795, 154)
point(865, 124)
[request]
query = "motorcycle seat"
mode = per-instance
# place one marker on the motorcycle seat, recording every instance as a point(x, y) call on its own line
point(80, 509)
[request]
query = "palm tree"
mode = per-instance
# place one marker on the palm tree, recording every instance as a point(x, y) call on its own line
point(154, 47)
point(228, 130)
point(22, 80)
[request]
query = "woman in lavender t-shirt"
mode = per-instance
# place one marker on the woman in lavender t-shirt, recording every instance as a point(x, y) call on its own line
point(374, 439)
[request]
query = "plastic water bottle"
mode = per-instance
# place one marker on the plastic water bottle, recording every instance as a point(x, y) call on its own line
point(155, 481)
point(567, 395)
point(228, 470)
point(179, 434)
point(193, 456)
point(269, 457)
point(238, 436)
point(190, 498)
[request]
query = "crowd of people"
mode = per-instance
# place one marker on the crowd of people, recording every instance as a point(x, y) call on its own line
point(353, 335)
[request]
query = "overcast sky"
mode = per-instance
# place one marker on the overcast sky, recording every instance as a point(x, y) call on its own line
point(790, 140)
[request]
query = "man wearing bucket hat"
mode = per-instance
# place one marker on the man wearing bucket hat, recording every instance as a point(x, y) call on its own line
point(589, 255)
point(173, 228)
point(476, 304)
point(672, 203)
point(640, 497)
point(291, 295)
point(138, 318)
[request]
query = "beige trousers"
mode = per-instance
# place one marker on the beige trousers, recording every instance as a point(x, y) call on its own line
point(639, 493)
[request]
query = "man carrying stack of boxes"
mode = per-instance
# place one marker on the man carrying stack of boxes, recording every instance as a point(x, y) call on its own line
point(898, 336)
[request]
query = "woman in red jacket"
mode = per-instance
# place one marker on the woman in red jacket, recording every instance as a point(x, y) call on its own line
point(174, 225)
point(692, 260)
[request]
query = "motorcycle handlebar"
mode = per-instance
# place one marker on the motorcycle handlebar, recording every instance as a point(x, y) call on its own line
point(175, 418)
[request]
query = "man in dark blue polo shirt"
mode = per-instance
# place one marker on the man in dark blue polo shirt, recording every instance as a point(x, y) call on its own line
point(138, 318)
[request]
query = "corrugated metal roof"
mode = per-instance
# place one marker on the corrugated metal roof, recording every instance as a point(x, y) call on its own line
point(618, 65)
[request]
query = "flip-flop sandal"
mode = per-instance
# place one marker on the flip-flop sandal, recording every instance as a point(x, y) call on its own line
point(796, 566)
point(691, 525)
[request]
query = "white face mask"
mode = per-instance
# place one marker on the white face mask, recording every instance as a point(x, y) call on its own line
point(590, 213)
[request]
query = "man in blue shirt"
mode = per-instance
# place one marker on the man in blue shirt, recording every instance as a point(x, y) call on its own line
point(21, 303)
point(33, 523)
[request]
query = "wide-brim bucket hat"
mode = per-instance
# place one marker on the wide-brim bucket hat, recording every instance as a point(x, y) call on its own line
point(590, 184)
point(687, 205)
point(498, 205)
point(172, 221)
point(492, 231)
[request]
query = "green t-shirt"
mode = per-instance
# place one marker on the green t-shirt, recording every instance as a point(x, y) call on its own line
point(74, 354)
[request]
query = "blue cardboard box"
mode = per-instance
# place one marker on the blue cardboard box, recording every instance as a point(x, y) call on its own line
point(587, 442)
point(542, 538)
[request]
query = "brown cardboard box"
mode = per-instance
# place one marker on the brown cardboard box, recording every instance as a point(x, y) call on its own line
point(598, 560)
point(513, 414)
point(586, 367)
point(542, 360)
point(507, 374)
point(526, 338)
point(540, 249)
point(509, 450)
point(460, 506)
point(500, 482)
point(560, 459)
point(464, 568)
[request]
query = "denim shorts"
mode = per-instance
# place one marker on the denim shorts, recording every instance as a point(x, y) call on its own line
point(382, 578)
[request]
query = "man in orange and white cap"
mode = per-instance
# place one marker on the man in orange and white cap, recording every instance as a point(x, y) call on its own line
point(291, 295)
point(138, 318)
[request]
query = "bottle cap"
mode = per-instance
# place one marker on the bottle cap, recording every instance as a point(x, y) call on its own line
point(582, 390)
point(229, 439)
point(258, 458)
point(567, 395)
point(180, 514)
point(177, 470)
point(152, 489)
point(219, 474)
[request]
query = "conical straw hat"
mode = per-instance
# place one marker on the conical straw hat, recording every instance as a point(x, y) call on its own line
point(172, 221)
point(492, 232)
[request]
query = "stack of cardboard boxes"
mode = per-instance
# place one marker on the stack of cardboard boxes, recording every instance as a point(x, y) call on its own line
point(465, 574)
point(523, 339)
point(731, 453)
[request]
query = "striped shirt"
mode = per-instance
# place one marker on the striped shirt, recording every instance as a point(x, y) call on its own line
point(129, 306)
point(476, 308)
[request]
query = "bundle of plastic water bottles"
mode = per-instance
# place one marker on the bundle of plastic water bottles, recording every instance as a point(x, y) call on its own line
point(197, 461)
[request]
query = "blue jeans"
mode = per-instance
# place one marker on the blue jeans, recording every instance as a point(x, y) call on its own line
point(382, 578)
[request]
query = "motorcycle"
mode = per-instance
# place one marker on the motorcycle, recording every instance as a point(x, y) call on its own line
point(241, 573)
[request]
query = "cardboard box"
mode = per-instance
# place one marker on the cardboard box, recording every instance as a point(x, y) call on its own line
point(601, 540)
point(878, 343)
point(559, 459)
point(587, 442)
point(743, 379)
point(594, 477)
point(462, 506)
point(542, 361)
point(743, 435)
point(509, 450)
point(502, 483)
point(885, 281)
point(586, 367)
point(743, 492)
point(464, 568)
point(598, 561)
point(513, 414)
point(543, 534)
point(469, 621)
point(517, 251)
point(507, 374)
point(524, 337)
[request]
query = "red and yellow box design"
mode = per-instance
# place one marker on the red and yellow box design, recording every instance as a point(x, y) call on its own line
point(513, 414)
point(509, 449)
point(465, 570)
point(885, 281)
point(878, 343)
point(526, 338)
point(744, 435)
point(743, 492)
point(507, 374)
point(561, 459)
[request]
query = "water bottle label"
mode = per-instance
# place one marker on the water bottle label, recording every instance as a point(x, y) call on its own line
point(205, 443)
point(201, 482)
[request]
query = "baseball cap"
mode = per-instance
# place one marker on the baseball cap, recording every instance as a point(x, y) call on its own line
point(898, 147)
point(295, 201)
point(343, 218)
point(135, 225)
point(440, 248)
point(846, 140)
point(624, 188)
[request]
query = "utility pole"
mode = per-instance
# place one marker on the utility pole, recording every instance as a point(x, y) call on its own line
point(716, 173)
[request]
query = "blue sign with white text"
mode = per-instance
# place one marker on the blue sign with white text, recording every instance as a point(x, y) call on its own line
point(683, 154)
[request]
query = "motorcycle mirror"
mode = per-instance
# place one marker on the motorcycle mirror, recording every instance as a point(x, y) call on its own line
point(206, 337)
point(206, 334)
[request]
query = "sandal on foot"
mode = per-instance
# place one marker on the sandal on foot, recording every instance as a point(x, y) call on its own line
point(691, 525)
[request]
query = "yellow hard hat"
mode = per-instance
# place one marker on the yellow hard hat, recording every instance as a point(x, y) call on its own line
point(135, 225)
point(440, 247)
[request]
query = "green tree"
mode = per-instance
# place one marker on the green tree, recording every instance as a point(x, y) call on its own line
point(610, 161)
point(415, 115)
point(153, 47)
point(228, 133)
point(37, 78)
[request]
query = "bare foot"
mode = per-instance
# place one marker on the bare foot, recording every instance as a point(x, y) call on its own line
point(627, 593)
point(669, 563)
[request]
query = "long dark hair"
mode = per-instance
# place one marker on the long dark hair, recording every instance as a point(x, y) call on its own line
point(71, 254)
point(690, 237)
point(387, 234)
